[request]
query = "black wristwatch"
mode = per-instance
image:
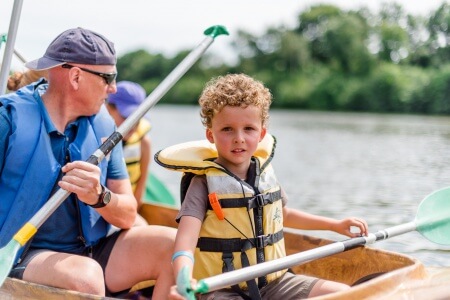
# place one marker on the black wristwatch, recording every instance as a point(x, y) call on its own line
point(103, 198)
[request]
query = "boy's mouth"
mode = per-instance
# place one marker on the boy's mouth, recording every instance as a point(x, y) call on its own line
point(238, 150)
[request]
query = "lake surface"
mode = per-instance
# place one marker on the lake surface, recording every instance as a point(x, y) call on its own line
point(379, 167)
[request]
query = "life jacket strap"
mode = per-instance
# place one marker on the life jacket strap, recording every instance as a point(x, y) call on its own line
point(250, 202)
point(237, 244)
point(253, 288)
point(261, 200)
point(227, 258)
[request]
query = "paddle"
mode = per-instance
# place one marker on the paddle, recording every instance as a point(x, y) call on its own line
point(157, 192)
point(8, 253)
point(9, 49)
point(432, 221)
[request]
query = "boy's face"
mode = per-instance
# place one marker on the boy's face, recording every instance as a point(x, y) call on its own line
point(236, 132)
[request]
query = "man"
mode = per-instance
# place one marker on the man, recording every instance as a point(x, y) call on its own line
point(47, 131)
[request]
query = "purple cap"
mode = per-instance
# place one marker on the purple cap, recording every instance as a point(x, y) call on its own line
point(76, 45)
point(128, 97)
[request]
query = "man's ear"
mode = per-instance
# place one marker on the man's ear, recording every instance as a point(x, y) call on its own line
point(263, 133)
point(74, 77)
point(209, 136)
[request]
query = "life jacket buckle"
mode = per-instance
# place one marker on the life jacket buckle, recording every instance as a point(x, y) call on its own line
point(259, 199)
point(260, 242)
point(227, 259)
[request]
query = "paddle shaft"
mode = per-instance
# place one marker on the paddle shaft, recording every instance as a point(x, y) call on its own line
point(52, 204)
point(234, 277)
point(9, 49)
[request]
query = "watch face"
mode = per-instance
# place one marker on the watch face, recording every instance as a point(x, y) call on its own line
point(103, 199)
point(106, 197)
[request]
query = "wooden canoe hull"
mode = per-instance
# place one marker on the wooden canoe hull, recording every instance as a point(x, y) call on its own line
point(371, 272)
point(391, 271)
point(19, 289)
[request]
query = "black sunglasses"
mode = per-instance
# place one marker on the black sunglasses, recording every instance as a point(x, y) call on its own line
point(108, 77)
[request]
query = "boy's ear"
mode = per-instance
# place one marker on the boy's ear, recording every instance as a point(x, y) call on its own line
point(209, 136)
point(263, 133)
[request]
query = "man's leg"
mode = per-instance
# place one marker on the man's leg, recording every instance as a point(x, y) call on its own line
point(66, 271)
point(142, 253)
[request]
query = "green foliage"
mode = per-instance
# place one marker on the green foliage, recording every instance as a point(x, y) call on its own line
point(140, 65)
point(344, 46)
point(332, 60)
point(435, 97)
point(381, 92)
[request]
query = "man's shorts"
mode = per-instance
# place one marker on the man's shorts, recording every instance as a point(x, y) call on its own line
point(100, 253)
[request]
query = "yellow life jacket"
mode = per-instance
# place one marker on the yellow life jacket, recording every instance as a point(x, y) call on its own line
point(132, 151)
point(252, 231)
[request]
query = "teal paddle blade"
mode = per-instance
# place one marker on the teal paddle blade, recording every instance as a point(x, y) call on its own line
point(184, 284)
point(157, 192)
point(7, 257)
point(433, 217)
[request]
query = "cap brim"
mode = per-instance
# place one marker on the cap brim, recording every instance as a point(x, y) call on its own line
point(43, 63)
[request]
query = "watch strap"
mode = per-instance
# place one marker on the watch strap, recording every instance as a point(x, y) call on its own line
point(100, 202)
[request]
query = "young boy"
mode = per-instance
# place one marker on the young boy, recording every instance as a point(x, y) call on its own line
point(248, 228)
point(137, 144)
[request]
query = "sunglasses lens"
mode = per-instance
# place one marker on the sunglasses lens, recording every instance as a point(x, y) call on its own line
point(110, 78)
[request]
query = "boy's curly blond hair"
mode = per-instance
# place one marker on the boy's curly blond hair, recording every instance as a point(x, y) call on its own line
point(233, 90)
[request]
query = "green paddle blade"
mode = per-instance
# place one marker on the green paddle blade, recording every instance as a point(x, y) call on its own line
point(7, 256)
point(433, 217)
point(214, 31)
point(184, 284)
point(156, 191)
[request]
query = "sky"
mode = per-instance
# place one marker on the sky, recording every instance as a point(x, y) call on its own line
point(162, 26)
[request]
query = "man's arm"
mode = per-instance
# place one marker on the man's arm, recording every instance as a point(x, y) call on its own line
point(83, 179)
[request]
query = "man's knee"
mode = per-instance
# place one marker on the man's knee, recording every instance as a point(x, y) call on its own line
point(88, 278)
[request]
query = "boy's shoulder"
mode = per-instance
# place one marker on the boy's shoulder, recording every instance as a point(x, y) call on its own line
point(186, 181)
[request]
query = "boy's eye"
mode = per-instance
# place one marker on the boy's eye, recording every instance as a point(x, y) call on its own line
point(226, 129)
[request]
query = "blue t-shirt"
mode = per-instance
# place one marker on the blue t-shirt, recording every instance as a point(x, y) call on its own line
point(65, 219)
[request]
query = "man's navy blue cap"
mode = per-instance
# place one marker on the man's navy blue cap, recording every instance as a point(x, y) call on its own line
point(77, 45)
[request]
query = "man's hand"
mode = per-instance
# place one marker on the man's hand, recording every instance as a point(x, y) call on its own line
point(83, 179)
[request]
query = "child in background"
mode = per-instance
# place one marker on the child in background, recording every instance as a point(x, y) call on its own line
point(20, 79)
point(137, 144)
point(237, 172)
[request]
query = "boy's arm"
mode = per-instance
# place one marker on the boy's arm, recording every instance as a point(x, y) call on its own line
point(301, 220)
point(145, 163)
point(183, 256)
point(186, 240)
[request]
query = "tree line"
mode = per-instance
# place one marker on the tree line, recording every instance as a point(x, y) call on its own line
point(334, 59)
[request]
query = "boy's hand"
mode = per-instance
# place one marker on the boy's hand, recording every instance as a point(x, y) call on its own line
point(185, 286)
point(345, 227)
point(174, 295)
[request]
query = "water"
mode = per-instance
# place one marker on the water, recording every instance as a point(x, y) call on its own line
point(379, 167)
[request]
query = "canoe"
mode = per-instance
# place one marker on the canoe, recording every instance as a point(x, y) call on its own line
point(372, 273)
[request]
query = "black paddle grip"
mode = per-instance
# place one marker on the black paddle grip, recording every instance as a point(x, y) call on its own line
point(105, 148)
point(353, 243)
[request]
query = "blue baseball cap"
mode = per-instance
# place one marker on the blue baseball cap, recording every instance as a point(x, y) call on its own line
point(77, 45)
point(128, 97)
